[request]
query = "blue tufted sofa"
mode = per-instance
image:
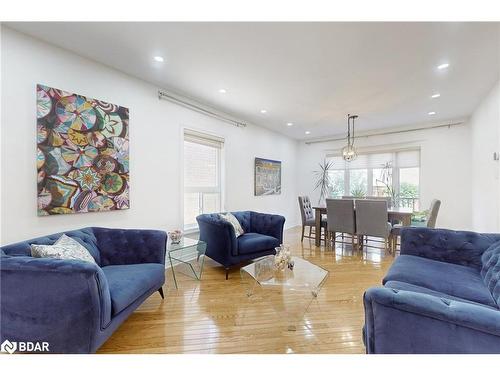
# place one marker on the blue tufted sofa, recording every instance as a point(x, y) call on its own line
point(263, 232)
point(442, 295)
point(75, 306)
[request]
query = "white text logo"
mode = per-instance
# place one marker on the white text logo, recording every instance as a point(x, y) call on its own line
point(24, 346)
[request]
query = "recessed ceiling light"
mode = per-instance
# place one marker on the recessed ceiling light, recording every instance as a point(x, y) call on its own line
point(308, 132)
point(443, 66)
point(158, 59)
point(289, 124)
point(432, 113)
point(222, 91)
point(436, 95)
point(263, 111)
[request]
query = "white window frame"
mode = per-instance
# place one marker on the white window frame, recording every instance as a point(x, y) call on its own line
point(395, 171)
point(193, 133)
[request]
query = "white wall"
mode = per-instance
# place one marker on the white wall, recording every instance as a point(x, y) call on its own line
point(155, 145)
point(485, 138)
point(444, 168)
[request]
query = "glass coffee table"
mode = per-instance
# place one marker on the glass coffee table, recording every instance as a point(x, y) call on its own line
point(289, 291)
point(184, 253)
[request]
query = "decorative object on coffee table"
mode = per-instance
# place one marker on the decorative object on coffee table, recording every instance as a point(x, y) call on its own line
point(283, 258)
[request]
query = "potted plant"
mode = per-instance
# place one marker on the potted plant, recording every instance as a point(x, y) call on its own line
point(386, 180)
point(323, 181)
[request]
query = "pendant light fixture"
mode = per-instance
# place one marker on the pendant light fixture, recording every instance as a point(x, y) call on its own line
point(349, 152)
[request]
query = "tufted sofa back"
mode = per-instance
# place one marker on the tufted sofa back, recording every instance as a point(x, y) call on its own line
point(245, 219)
point(85, 236)
point(130, 246)
point(445, 245)
point(490, 271)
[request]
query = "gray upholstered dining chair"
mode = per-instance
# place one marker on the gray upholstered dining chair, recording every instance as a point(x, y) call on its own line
point(377, 198)
point(341, 218)
point(372, 220)
point(430, 222)
point(308, 217)
point(433, 213)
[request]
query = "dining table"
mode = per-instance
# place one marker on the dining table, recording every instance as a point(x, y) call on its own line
point(402, 214)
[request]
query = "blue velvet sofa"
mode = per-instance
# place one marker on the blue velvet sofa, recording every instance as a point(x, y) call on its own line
point(263, 232)
point(441, 295)
point(73, 305)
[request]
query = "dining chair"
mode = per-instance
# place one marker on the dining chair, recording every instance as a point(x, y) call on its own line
point(308, 217)
point(429, 223)
point(378, 198)
point(433, 213)
point(372, 220)
point(341, 218)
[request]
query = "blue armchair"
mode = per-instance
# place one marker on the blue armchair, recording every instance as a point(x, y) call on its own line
point(441, 295)
point(73, 305)
point(263, 232)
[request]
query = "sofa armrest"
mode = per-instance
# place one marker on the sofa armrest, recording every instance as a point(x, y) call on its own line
point(399, 321)
point(458, 247)
point(62, 302)
point(219, 237)
point(130, 246)
point(268, 224)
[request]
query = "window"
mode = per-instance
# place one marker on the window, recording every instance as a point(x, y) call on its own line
point(202, 176)
point(337, 181)
point(389, 174)
point(378, 187)
point(358, 182)
point(409, 187)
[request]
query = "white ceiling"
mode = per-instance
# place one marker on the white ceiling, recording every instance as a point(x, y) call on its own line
point(311, 74)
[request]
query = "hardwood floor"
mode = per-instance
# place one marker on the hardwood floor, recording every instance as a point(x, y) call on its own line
point(216, 316)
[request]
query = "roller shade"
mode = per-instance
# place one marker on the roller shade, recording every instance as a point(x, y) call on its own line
point(408, 159)
point(203, 139)
point(402, 159)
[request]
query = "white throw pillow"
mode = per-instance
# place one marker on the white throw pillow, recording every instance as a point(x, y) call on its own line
point(231, 219)
point(64, 248)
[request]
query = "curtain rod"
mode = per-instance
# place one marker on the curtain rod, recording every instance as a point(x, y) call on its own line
point(197, 107)
point(387, 132)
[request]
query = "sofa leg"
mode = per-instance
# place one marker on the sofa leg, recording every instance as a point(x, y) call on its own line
point(227, 273)
point(161, 292)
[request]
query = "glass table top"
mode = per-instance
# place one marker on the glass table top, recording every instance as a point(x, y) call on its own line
point(185, 242)
point(304, 276)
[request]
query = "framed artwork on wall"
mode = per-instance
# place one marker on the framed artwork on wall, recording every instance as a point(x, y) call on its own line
point(82, 153)
point(267, 177)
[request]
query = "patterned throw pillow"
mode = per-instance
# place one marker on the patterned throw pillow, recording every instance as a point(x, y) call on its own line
point(231, 219)
point(64, 248)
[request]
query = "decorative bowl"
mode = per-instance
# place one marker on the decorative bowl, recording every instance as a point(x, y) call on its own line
point(175, 236)
point(283, 258)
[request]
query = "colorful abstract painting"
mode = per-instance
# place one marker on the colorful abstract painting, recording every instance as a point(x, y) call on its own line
point(83, 154)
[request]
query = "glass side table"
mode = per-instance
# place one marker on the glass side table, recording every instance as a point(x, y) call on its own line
point(188, 252)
